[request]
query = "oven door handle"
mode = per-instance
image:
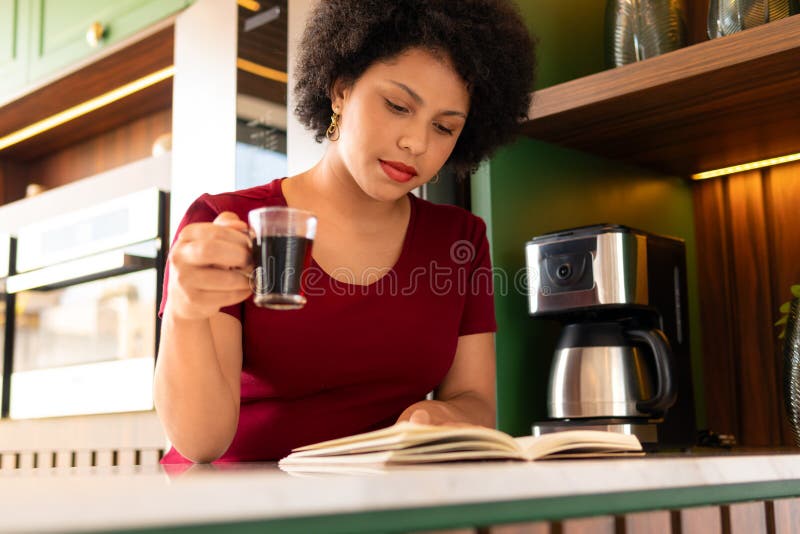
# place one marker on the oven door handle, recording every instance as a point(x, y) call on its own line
point(69, 273)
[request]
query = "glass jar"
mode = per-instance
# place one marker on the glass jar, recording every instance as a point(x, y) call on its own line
point(730, 16)
point(640, 29)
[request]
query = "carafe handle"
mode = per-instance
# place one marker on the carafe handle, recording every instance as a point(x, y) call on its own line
point(665, 389)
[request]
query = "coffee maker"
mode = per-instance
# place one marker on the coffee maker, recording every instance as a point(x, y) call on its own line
point(622, 362)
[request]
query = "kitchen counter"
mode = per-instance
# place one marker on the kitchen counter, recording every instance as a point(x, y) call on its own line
point(440, 496)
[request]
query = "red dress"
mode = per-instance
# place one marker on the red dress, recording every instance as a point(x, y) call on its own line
point(355, 356)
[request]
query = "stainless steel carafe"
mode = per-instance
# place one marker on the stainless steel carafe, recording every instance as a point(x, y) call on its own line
point(604, 370)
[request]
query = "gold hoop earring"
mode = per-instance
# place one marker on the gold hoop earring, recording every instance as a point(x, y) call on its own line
point(435, 179)
point(332, 133)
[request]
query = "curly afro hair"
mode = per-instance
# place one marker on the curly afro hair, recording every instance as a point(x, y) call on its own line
point(485, 40)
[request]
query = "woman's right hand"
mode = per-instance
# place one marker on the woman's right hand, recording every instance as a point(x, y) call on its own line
point(209, 267)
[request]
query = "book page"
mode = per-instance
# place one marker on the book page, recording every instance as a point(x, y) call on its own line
point(409, 434)
point(578, 441)
point(441, 451)
point(572, 455)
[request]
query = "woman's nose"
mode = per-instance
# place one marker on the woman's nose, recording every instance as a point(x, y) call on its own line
point(414, 140)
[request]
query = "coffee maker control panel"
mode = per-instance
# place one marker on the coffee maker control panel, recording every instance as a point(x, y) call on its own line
point(576, 270)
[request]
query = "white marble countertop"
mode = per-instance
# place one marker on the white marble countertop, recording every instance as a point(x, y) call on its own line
point(93, 499)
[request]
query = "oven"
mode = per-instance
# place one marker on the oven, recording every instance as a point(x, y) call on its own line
point(86, 286)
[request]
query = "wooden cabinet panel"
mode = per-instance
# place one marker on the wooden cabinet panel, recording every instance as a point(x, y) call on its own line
point(703, 520)
point(745, 518)
point(658, 522)
point(787, 515)
point(58, 32)
point(14, 19)
point(587, 525)
point(774, 517)
point(521, 528)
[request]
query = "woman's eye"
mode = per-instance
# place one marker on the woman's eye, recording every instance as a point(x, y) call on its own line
point(444, 129)
point(395, 107)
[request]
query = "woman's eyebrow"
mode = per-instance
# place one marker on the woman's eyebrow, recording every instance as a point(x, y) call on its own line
point(418, 99)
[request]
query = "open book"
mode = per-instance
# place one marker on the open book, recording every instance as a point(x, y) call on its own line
point(412, 443)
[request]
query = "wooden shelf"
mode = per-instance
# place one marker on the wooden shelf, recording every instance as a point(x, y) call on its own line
point(718, 103)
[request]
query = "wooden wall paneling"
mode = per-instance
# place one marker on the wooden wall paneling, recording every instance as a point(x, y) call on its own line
point(270, 90)
point(657, 522)
point(13, 179)
point(3, 178)
point(748, 256)
point(106, 151)
point(701, 520)
point(786, 515)
point(758, 406)
point(744, 518)
point(716, 286)
point(782, 200)
point(265, 45)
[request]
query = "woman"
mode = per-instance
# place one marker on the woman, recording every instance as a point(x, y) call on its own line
point(399, 291)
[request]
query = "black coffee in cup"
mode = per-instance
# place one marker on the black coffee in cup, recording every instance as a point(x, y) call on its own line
point(280, 262)
point(282, 241)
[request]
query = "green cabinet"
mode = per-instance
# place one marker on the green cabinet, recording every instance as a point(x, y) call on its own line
point(58, 36)
point(39, 38)
point(14, 18)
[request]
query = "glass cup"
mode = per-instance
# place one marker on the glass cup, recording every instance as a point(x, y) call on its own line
point(282, 239)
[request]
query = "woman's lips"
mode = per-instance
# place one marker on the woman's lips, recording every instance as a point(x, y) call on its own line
point(397, 171)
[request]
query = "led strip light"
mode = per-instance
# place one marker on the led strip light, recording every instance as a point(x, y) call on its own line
point(746, 167)
point(119, 93)
point(261, 70)
point(85, 107)
point(252, 5)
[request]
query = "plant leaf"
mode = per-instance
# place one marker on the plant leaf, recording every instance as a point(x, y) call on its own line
point(782, 320)
point(796, 291)
point(785, 307)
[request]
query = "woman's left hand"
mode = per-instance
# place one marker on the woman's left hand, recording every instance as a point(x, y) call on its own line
point(434, 412)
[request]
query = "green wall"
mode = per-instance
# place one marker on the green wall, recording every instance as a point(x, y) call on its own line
point(570, 38)
point(530, 188)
